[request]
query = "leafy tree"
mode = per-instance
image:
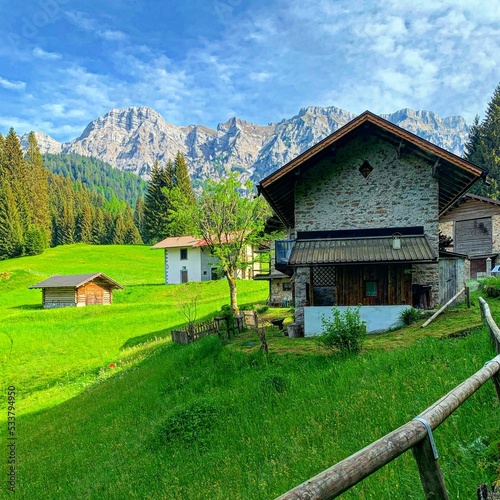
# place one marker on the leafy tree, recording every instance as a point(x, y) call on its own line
point(229, 219)
point(483, 147)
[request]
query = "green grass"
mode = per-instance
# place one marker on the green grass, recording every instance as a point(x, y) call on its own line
point(216, 420)
point(52, 355)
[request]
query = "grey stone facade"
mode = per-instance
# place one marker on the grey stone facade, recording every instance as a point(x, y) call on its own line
point(398, 192)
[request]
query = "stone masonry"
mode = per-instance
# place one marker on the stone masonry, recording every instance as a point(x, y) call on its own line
point(398, 192)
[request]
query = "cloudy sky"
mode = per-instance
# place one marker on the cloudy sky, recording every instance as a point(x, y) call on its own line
point(63, 63)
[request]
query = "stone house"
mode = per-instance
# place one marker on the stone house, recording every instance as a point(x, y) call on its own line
point(362, 211)
point(473, 223)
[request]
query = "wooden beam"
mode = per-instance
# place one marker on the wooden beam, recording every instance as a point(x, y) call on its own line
point(436, 314)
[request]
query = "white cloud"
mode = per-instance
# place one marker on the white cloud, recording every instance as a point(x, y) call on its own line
point(88, 24)
point(42, 54)
point(12, 85)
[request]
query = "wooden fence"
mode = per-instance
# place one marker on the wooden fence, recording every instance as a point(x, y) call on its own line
point(415, 435)
point(220, 326)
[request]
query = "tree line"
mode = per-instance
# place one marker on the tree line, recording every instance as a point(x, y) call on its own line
point(77, 201)
point(40, 209)
point(483, 147)
point(97, 175)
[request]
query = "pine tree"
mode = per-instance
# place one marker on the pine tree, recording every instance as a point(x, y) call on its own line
point(98, 228)
point(11, 232)
point(119, 231)
point(182, 179)
point(132, 236)
point(139, 217)
point(156, 206)
point(16, 175)
point(38, 188)
point(483, 147)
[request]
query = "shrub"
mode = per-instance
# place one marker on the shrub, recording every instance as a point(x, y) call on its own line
point(491, 286)
point(409, 316)
point(274, 384)
point(190, 425)
point(262, 309)
point(344, 331)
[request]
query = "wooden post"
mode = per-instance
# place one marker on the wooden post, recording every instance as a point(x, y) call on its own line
point(429, 470)
point(467, 296)
point(496, 383)
point(436, 314)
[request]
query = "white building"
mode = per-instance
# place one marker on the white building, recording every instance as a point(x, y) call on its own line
point(187, 259)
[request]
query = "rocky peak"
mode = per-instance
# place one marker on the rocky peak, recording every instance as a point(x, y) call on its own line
point(134, 138)
point(45, 143)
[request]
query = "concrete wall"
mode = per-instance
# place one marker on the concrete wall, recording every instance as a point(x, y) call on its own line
point(378, 318)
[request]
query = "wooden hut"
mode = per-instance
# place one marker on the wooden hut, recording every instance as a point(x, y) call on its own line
point(77, 290)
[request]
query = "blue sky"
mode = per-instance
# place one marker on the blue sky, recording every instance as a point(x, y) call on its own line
point(63, 63)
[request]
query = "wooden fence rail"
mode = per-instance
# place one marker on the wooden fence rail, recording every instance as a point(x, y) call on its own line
point(415, 435)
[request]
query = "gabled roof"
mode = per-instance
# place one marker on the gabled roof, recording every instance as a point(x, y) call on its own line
point(456, 175)
point(74, 280)
point(476, 197)
point(180, 242)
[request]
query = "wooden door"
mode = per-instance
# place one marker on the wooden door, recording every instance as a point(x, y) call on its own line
point(184, 276)
point(93, 294)
point(447, 279)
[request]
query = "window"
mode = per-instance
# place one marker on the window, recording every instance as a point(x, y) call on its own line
point(287, 287)
point(371, 288)
point(184, 253)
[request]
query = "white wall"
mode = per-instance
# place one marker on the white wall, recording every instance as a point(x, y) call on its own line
point(378, 318)
point(174, 265)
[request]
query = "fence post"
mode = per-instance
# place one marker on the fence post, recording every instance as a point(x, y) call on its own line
point(496, 383)
point(429, 470)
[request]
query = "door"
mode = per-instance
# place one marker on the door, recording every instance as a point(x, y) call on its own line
point(93, 294)
point(184, 276)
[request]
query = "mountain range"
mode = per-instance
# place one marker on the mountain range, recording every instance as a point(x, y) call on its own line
point(133, 139)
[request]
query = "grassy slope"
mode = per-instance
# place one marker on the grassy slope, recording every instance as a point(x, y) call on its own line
point(106, 441)
point(51, 355)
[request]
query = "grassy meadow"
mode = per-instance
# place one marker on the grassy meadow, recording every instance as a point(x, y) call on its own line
point(219, 420)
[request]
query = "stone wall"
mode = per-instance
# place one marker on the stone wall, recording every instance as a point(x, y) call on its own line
point(397, 193)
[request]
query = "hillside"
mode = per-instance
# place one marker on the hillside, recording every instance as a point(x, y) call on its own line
point(212, 420)
point(98, 176)
point(133, 139)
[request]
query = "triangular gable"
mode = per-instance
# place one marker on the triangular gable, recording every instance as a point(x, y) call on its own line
point(456, 175)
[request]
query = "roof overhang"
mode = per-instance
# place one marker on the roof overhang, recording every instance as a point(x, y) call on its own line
point(345, 251)
point(456, 175)
point(74, 281)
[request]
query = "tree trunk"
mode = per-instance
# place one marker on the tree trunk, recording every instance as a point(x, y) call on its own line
point(233, 293)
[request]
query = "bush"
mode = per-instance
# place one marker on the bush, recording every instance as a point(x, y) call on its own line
point(409, 316)
point(491, 286)
point(262, 309)
point(190, 425)
point(345, 331)
point(274, 384)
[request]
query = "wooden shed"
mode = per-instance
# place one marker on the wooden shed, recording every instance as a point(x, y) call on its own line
point(77, 290)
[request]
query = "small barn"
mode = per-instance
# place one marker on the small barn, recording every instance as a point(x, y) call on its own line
point(77, 290)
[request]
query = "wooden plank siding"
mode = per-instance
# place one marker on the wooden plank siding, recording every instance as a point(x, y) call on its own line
point(59, 297)
point(474, 236)
point(393, 285)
